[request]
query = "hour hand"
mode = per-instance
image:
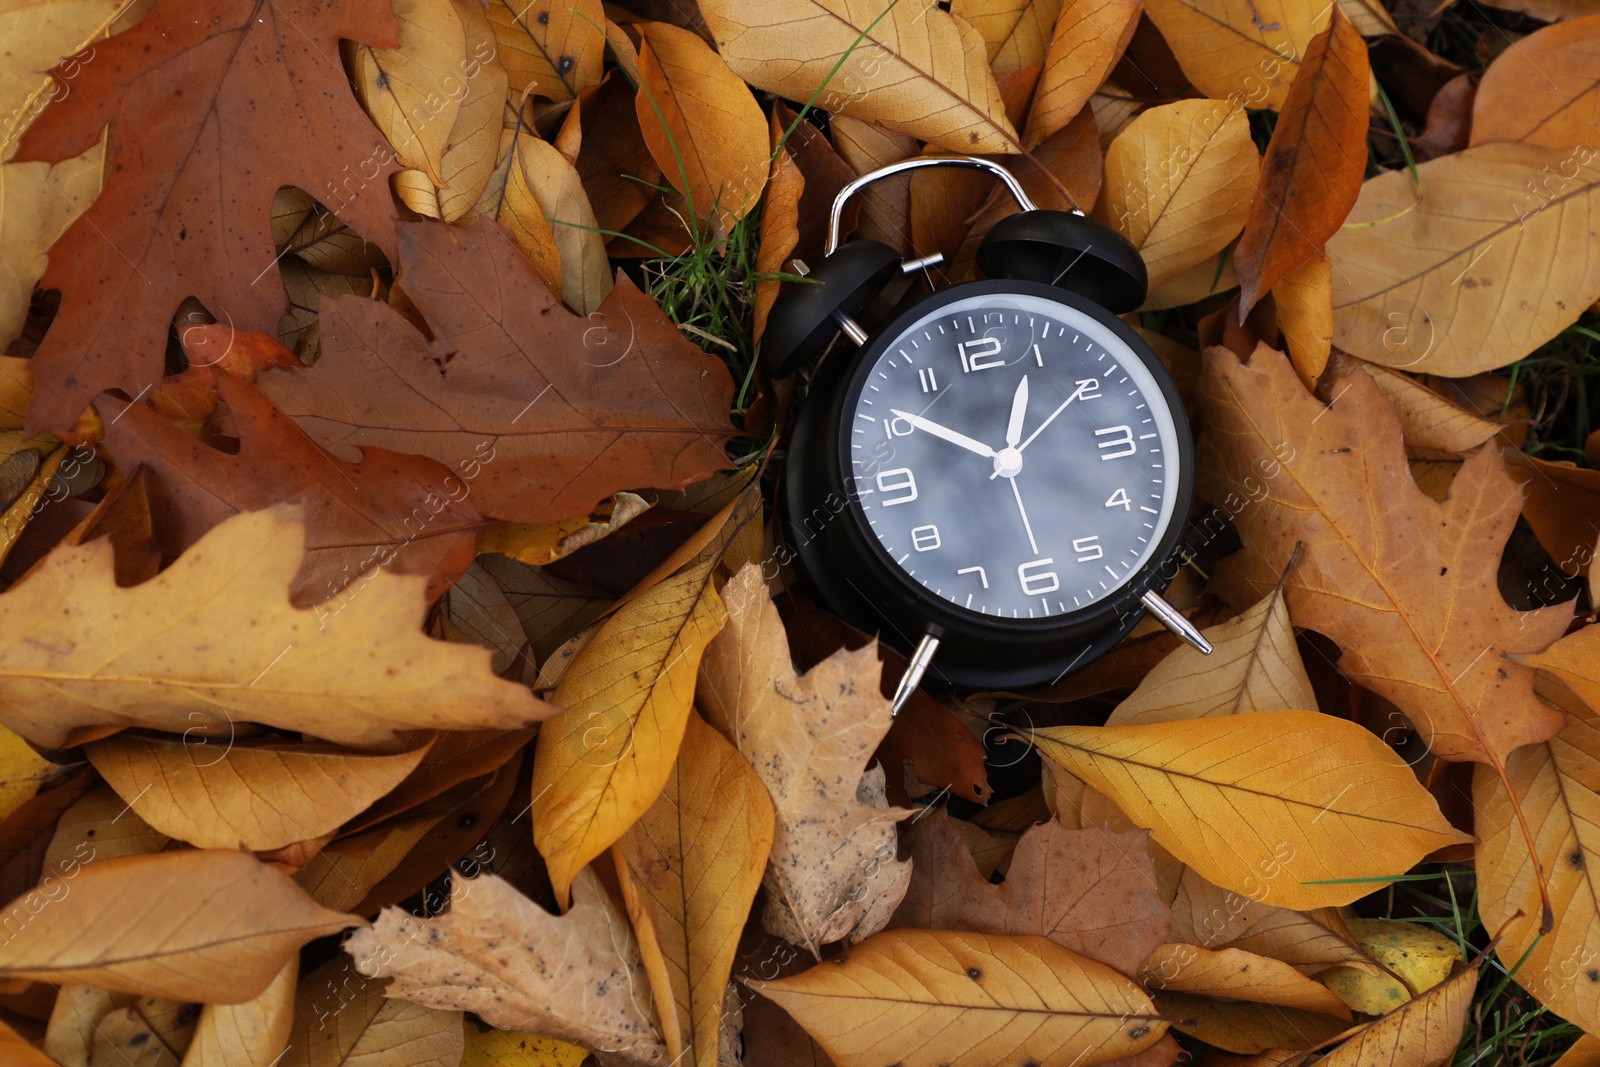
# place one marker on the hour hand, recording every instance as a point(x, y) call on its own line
point(928, 426)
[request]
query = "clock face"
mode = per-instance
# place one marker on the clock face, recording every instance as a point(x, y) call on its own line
point(1012, 455)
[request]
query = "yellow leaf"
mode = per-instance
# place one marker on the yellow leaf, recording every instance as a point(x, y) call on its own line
point(577, 976)
point(413, 93)
point(213, 640)
point(99, 826)
point(537, 545)
point(833, 875)
point(518, 1048)
point(559, 197)
point(253, 1032)
point(149, 1032)
point(703, 128)
point(1585, 1052)
point(1016, 32)
point(1305, 314)
point(209, 927)
point(1544, 91)
point(1179, 183)
point(342, 1019)
point(1421, 956)
point(1421, 1033)
point(1238, 975)
point(1404, 584)
point(1088, 39)
point(22, 770)
point(551, 48)
point(909, 66)
point(15, 518)
point(1474, 269)
point(510, 201)
point(923, 998)
point(254, 798)
point(1209, 916)
point(1245, 51)
point(689, 869)
point(602, 762)
point(471, 151)
point(1265, 802)
point(1255, 666)
point(780, 227)
point(1557, 784)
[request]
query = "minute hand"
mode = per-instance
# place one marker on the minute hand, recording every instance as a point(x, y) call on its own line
point(927, 426)
point(1052, 417)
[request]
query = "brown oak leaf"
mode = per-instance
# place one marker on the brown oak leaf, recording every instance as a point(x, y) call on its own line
point(547, 412)
point(209, 117)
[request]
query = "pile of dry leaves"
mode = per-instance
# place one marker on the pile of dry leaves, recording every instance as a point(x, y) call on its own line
point(397, 668)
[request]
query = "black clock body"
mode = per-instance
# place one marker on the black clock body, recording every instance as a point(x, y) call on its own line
point(852, 573)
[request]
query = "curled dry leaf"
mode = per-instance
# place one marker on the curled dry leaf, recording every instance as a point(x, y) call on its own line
point(471, 151)
point(1312, 170)
point(1421, 1033)
point(1254, 666)
point(341, 1019)
point(912, 67)
point(390, 510)
point(1544, 91)
point(253, 90)
point(1179, 182)
point(943, 997)
point(1405, 585)
point(550, 48)
point(833, 875)
point(354, 676)
point(689, 869)
point(1474, 269)
point(1087, 41)
point(1242, 50)
point(627, 696)
point(1265, 802)
point(1244, 1026)
point(201, 926)
point(245, 797)
point(253, 1032)
point(557, 194)
point(577, 976)
point(543, 412)
point(704, 129)
point(1092, 891)
point(1556, 785)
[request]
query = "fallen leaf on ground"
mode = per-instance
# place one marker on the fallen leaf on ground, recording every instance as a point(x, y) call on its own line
point(253, 1032)
point(1017, 32)
point(1087, 41)
point(252, 90)
point(1415, 958)
point(577, 976)
point(1235, 974)
point(1246, 52)
point(629, 403)
point(1556, 785)
point(354, 676)
point(703, 127)
point(551, 48)
point(389, 510)
point(1090, 890)
point(404, 89)
point(1422, 1033)
point(912, 67)
point(208, 926)
point(927, 997)
point(1254, 666)
point(833, 875)
point(246, 797)
point(1544, 91)
point(689, 869)
point(1179, 183)
point(1471, 271)
point(1312, 170)
point(1404, 584)
point(1266, 802)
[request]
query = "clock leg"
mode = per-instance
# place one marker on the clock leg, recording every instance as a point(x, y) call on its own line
point(915, 669)
point(1173, 620)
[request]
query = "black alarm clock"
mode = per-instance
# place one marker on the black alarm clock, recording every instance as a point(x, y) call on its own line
point(996, 480)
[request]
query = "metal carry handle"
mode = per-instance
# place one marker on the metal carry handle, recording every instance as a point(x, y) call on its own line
point(1018, 193)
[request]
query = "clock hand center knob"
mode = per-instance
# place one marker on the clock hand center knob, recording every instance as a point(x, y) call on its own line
point(1008, 462)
